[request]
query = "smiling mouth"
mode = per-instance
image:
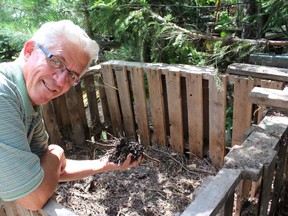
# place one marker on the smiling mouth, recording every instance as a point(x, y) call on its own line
point(48, 87)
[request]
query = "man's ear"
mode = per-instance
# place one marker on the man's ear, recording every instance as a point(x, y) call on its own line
point(28, 48)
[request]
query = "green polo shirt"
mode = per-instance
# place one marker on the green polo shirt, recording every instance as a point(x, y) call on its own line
point(22, 136)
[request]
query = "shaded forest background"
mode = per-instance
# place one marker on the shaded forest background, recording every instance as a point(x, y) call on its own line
point(199, 32)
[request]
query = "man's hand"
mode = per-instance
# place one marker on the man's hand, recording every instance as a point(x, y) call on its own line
point(126, 164)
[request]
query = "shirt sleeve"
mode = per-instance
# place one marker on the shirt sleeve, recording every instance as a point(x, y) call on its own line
point(20, 170)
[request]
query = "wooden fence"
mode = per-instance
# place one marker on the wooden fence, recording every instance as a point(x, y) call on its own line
point(180, 106)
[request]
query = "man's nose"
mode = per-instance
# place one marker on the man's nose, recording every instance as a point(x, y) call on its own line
point(61, 77)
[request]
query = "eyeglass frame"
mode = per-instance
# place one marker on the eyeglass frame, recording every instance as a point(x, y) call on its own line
point(70, 73)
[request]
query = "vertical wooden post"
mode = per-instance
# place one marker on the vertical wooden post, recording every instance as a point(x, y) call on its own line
point(92, 99)
point(141, 110)
point(125, 102)
point(75, 119)
point(195, 113)
point(157, 109)
point(51, 123)
point(173, 83)
point(217, 120)
point(112, 98)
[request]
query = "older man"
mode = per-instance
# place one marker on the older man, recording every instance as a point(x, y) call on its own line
point(49, 64)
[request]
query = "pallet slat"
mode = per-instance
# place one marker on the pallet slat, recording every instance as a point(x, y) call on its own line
point(173, 84)
point(242, 109)
point(125, 102)
point(112, 98)
point(195, 113)
point(157, 106)
point(217, 120)
point(141, 110)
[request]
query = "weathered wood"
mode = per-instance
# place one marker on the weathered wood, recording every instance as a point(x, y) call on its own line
point(81, 109)
point(211, 197)
point(173, 84)
point(278, 182)
point(265, 193)
point(51, 124)
point(141, 109)
point(125, 102)
point(112, 98)
point(264, 72)
point(92, 98)
point(157, 106)
point(75, 118)
point(267, 84)
point(103, 99)
point(269, 60)
point(62, 114)
point(269, 97)
point(217, 120)
point(242, 109)
point(195, 113)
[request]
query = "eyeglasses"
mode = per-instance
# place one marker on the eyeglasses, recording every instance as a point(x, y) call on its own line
point(56, 63)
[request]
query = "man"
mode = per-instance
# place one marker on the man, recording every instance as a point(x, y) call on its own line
point(49, 64)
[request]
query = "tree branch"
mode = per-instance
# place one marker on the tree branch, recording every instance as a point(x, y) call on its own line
point(263, 42)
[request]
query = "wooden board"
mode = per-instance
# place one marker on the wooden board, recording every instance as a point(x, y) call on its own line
point(141, 110)
point(195, 114)
point(103, 99)
point(264, 72)
point(269, 97)
point(51, 123)
point(173, 84)
point(217, 120)
point(61, 111)
point(112, 98)
point(269, 60)
point(211, 197)
point(125, 102)
point(242, 109)
point(92, 99)
point(157, 106)
point(267, 84)
point(75, 118)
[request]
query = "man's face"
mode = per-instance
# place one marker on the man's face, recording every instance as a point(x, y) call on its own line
point(43, 82)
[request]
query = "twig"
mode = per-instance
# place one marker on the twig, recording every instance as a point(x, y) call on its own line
point(189, 171)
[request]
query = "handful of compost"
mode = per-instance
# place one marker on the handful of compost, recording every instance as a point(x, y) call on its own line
point(124, 147)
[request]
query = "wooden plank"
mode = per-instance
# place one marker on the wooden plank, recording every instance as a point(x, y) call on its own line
point(265, 193)
point(210, 198)
point(141, 110)
point(157, 106)
point(103, 100)
point(112, 98)
point(269, 60)
point(92, 99)
point(242, 109)
point(269, 97)
point(61, 111)
point(267, 84)
point(264, 72)
point(279, 180)
point(195, 113)
point(173, 84)
point(125, 102)
point(51, 123)
point(217, 120)
point(81, 109)
point(75, 118)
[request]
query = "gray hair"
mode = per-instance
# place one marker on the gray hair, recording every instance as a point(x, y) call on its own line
point(49, 34)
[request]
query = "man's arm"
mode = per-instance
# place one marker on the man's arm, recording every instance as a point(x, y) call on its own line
point(58, 169)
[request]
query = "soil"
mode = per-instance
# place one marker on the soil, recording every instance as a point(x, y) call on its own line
point(163, 184)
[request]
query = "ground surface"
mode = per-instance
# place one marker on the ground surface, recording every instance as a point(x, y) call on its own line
point(152, 188)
